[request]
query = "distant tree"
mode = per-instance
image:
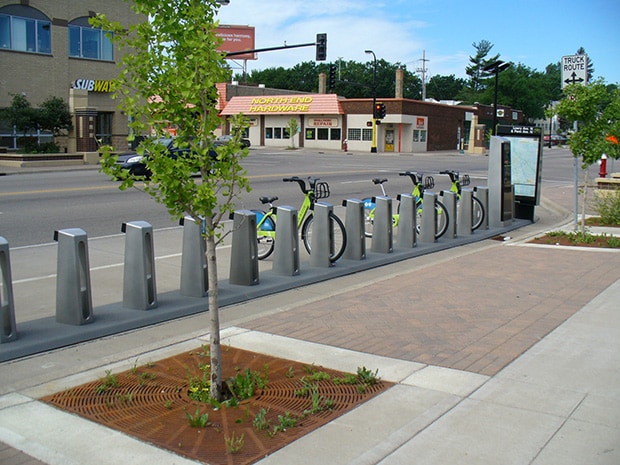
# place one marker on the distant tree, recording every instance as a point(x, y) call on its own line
point(445, 87)
point(21, 115)
point(54, 116)
point(293, 127)
point(478, 62)
point(590, 69)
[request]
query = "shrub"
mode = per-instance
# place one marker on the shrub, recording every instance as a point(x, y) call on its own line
point(607, 205)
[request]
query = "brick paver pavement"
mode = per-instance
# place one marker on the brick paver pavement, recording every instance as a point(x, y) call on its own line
point(511, 298)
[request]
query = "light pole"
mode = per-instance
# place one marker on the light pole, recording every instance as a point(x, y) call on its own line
point(373, 147)
point(496, 67)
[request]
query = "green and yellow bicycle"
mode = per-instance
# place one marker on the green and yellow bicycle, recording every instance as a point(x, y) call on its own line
point(420, 183)
point(266, 221)
point(477, 209)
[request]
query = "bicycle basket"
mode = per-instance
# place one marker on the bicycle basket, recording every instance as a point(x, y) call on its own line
point(321, 190)
point(429, 182)
point(465, 181)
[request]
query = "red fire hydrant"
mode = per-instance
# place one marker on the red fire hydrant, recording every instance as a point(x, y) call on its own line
point(603, 170)
point(345, 145)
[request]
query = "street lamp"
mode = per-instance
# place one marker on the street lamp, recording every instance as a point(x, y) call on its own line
point(495, 67)
point(373, 148)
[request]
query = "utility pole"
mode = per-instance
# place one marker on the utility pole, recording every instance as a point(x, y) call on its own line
point(423, 70)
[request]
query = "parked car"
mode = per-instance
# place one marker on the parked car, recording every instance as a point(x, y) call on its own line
point(556, 139)
point(223, 140)
point(136, 164)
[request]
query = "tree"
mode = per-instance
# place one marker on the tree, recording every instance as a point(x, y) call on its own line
point(597, 114)
point(169, 79)
point(293, 127)
point(21, 115)
point(54, 116)
point(445, 87)
point(478, 62)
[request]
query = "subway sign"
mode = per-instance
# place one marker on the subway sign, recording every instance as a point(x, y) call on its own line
point(93, 85)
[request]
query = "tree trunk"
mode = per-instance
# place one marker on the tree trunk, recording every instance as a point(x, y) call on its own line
point(585, 201)
point(214, 315)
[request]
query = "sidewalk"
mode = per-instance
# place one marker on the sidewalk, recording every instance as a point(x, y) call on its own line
point(503, 353)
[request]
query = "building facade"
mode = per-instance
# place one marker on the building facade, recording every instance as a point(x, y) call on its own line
point(48, 48)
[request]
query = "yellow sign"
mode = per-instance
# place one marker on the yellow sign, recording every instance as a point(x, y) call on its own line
point(284, 104)
point(93, 85)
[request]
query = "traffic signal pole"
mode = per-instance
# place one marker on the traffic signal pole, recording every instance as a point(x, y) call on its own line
point(373, 147)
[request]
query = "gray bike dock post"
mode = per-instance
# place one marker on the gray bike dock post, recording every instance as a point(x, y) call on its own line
point(354, 226)
point(286, 247)
point(406, 237)
point(428, 222)
point(465, 215)
point(74, 304)
point(382, 232)
point(482, 194)
point(449, 201)
point(139, 290)
point(7, 306)
point(322, 236)
point(244, 251)
point(194, 279)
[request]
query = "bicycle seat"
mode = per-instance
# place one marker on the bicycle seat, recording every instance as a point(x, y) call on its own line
point(267, 199)
point(379, 180)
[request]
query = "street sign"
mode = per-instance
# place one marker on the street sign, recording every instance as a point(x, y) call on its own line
point(574, 70)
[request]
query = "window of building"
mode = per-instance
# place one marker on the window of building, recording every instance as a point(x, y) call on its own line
point(322, 134)
point(277, 133)
point(310, 133)
point(335, 134)
point(88, 42)
point(354, 134)
point(25, 29)
point(419, 135)
point(268, 133)
point(367, 134)
point(104, 128)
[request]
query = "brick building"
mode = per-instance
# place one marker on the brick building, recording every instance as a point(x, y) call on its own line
point(48, 48)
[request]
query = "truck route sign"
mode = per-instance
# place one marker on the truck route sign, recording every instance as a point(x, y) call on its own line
point(574, 70)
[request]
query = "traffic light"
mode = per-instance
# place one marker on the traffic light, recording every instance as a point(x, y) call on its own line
point(332, 77)
point(379, 111)
point(321, 47)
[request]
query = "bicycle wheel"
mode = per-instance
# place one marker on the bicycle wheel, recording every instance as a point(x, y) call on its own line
point(441, 218)
point(338, 234)
point(265, 234)
point(369, 216)
point(477, 213)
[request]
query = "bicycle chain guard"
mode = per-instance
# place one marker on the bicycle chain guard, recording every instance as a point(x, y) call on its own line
point(321, 190)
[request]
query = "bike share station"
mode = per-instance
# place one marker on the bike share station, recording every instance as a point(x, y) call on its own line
point(509, 200)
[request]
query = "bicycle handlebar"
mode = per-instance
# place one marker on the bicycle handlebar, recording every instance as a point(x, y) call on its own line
point(302, 183)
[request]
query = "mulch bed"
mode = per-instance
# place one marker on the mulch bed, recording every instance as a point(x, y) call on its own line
point(152, 403)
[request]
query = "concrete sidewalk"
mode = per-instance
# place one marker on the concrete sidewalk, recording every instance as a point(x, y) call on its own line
point(502, 353)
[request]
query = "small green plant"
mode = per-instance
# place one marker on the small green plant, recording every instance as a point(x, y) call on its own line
point(368, 377)
point(168, 404)
point(198, 420)
point(108, 382)
point(200, 386)
point(613, 242)
point(244, 385)
point(234, 444)
point(607, 205)
point(260, 422)
point(284, 422)
point(290, 373)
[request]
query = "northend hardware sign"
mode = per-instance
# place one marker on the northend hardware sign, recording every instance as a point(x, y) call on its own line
point(93, 85)
point(280, 104)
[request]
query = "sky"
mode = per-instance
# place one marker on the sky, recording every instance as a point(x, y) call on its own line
point(534, 33)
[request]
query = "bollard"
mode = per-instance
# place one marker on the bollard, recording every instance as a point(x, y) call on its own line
point(139, 289)
point(194, 278)
point(244, 251)
point(286, 247)
point(322, 236)
point(354, 226)
point(382, 231)
point(482, 194)
point(449, 201)
point(428, 222)
point(7, 306)
point(465, 213)
point(406, 237)
point(74, 304)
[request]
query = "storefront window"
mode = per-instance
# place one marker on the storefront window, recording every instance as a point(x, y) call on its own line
point(419, 135)
point(30, 31)
point(367, 134)
point(104, 128)
point(87, 42)
point(268, 133)
point(277, 133)
point(335, 134)
point(355, 134)
point(310, 134)
point(323, 134)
